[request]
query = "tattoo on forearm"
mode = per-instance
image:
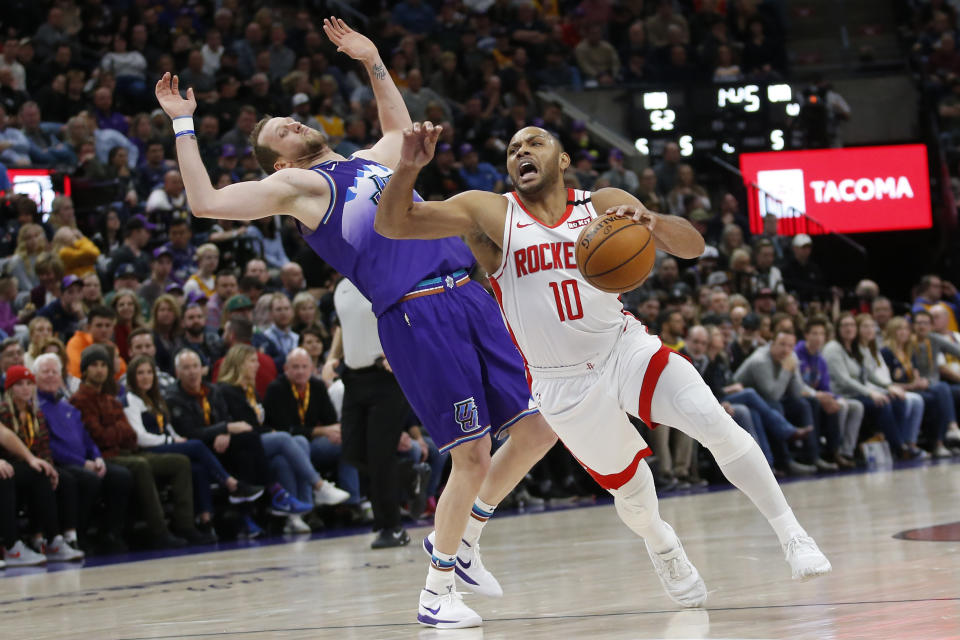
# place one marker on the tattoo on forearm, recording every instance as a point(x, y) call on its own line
point(379, 72)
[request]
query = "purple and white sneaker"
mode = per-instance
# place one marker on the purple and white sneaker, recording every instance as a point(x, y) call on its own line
point(446, 611)
point(470, 570)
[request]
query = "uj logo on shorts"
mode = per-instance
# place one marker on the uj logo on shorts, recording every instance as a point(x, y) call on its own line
point(465, 413)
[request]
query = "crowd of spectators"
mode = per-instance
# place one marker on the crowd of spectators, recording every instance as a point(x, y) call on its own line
point(170, 380)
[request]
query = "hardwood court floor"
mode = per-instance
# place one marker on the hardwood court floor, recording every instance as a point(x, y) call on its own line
point(576, 573)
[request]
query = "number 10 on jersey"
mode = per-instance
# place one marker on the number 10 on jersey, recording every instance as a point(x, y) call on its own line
point(567, 296)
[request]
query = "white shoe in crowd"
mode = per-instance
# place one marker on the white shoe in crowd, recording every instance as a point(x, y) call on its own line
point(680, 579)
point(446, 611)
point(20, 555)
point(805, 558)
point(329, 494)
point(60, 551)
point(295, 524)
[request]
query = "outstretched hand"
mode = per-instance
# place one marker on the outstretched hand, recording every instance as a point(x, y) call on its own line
point(168, 95)
point(419, 143)
point(356, 45)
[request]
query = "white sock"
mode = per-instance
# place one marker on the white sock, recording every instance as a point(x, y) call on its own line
point(752, 475)
point(479, 515)
point(440, 574)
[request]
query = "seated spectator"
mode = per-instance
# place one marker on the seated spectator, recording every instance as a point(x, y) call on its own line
point(225, 287)
point(45, 148)
point(118, 169)
point(39, 331)
point(686, 185)
point(848, 378)
point(765, 274)
point(107, 237)
point(142, 344)
point(49, 272)
point(480, 176)
point(74, 452)
point(292, 281)
point(910, 411)
point(31, 244)
point(168, 197)
point(931, 347)
point(92, 293)
point(77, 252)
point(179, 247)
point(288, 454)
point(100, 323)
point(202, 280)
point(298, 403)
point(773, 371)
point(842, 416)
point(66, 312)
point(598, 59)
point(136, 235)
point(441, 179)
point(167, 324)
point(934, 291)
point(282, 338)
point(198, 411)
point(160, 269)
point(24, 474)
point(147, 413)
point(128, 66)
point(126, 304)
point(899, 351)
point(801, 274)
point(75, 491)
point(266, 234)
point(14, 145)
point(103, 416)
point(618, 176)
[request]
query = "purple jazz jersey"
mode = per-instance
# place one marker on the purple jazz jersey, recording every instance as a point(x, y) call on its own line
point(384, 270)
point(456, 364)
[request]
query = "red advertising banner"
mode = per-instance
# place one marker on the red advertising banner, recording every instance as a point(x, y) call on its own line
point(851, 190)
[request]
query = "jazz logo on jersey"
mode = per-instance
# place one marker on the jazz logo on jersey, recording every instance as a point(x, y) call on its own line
point(465, 413)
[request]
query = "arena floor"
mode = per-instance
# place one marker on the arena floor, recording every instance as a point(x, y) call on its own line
point(893, 538)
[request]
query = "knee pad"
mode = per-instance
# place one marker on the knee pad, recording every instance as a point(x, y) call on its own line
point(636, 495)
point(696, 412)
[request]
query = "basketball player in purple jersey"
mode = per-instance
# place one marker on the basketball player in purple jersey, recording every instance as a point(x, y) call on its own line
point(440, 331)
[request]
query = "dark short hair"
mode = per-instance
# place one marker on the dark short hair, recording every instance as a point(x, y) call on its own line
point(310, 331)
point(817, 321)
point(225, 272)
point(140, 331)
point(9, 342)
point(922, 312)
point(101, 311)
point(785, 333)
point(249, 283)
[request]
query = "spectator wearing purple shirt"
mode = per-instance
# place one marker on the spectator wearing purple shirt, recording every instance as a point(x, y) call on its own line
point(840, 417)
point(106, 117)
point(72, 447)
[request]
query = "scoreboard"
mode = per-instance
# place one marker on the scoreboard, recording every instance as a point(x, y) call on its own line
point(718, 118)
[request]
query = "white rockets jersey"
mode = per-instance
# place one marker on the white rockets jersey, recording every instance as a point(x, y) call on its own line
point(556, 318)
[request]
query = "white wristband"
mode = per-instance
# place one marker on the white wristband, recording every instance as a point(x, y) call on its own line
point(183, 125)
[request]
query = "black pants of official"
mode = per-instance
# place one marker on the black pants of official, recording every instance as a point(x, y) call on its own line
point(375, 413)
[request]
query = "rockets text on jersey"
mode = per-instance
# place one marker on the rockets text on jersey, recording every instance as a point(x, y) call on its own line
point(556, 318)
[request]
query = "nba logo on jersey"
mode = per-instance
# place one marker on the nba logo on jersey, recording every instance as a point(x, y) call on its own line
point(465, 413)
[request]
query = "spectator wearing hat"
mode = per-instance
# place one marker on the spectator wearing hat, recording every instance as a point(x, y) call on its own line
point(99, 330)
point(103, 416)
point(301, 111)
point(160, 270)
point(75, 491)
point(440, 179)
point(136, 235)
point(618, 176)
point(801, 274)
point(225, 287)
point(66, 312)
point(478, 176)
point(125, 279)
point(764, 303)
point(227, 162)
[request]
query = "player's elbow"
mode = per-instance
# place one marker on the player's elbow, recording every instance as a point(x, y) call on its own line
point(388, 226)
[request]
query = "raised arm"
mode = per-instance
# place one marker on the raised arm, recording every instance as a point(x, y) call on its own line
point(673, 234)
point(394, 117)
point(277, 194)
point(398, 216)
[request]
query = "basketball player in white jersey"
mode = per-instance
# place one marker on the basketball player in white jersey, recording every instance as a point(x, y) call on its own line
point(589, 361)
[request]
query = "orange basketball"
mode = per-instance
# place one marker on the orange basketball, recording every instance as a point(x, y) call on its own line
point(615, 254)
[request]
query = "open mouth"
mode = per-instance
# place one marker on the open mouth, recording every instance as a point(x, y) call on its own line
point(527, 168)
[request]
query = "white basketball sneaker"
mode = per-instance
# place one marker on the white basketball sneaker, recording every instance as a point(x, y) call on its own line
point(446, 611)
point(679, 577)
point(470, 570)
point(805, 558)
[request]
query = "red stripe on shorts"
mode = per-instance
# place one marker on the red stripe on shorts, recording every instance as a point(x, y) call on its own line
point(650, 379)
point(617, 480)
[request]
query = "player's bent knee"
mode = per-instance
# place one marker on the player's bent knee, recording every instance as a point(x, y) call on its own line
point(735, 443)
point(533, 432)
point(635, 501)
point(472, 457)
